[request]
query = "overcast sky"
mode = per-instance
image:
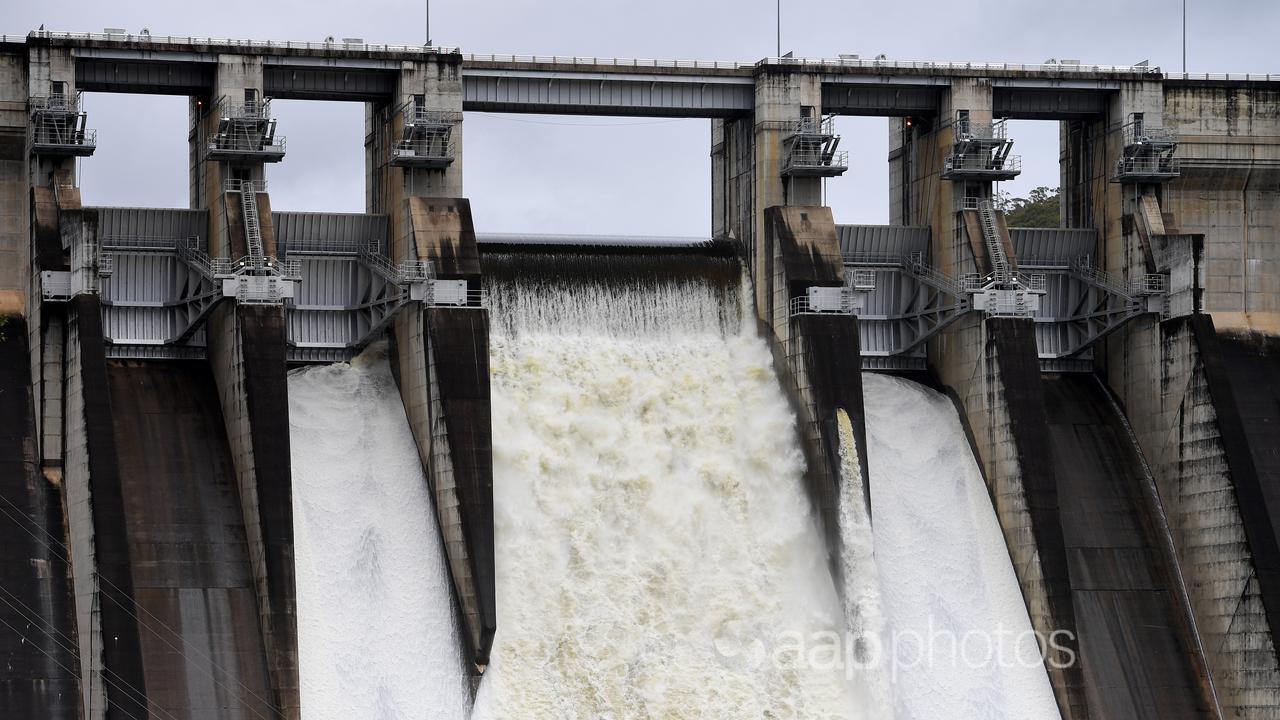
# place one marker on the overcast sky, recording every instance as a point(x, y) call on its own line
point(535, 173)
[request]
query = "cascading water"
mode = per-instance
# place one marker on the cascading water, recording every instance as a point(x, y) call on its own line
point(864, 615)
point(654, 541)
point(953, 607)
point(376, 628)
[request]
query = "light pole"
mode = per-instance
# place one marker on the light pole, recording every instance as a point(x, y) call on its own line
point(428, 23)
point(780, 27)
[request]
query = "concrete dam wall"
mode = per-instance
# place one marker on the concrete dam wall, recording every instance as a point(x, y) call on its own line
point(200, 642)
point(39, 638)
point(600, 477)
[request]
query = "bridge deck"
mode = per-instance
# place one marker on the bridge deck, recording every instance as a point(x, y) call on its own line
point(364, 72)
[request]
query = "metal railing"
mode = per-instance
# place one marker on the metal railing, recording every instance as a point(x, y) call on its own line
point(1063, 68)
point(968, 130)
point(874, 259)
point(290, 269)
point(247, 142)
point(1236, 77)
point(1150, 284)
point(984, 162)
point(64, 103)
point(1138, 133)
point(814, 126)
point(1028, 282)
point(235, 185)
point(190, 253)
point(334, 44)
point(991, 236)
point(818, 159)
point(252, 225)
point(971, 203)
point(397, 273)
point(64, 136)
point(436, 147)
point(246, 110)
point(1148, 165)
point(605, 61)
point(476, 299)
point(320, 246)
point(145, 242)
point(1031, 282)
point(913, 263)
point(341, 45)
point(1082, 269)
point(422, 115)
point(840, 62)
point(861, 279)
point(147, 38)
point(933, 277)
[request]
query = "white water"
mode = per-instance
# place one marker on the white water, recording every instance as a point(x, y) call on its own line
point(945, 570)
point(653, 535)
point(864, 616)
point(376, 630)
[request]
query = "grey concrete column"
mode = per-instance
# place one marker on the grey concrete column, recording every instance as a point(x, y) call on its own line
point(246, 351)
point(388, 189)
point(781, 94)
point(233, 75)
point(732, 181)
point(45, 67)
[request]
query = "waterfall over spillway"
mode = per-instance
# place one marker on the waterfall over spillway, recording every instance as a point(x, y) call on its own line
point(376, 626)
point(945, 572)
point(653, 536)
point(864, 617)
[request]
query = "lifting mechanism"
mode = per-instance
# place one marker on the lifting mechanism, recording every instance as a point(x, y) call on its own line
point(58, 125)
point(1148, 153)
point(981, 151)
point(254, 278)
point(810, 149)
point(246, 131)
point(1003, 292)
point(426, 139)
point(901, 302)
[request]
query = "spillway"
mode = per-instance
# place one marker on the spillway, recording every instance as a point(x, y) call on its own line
point(201, 652)
point(945, 572)
point(654, 540)
point(377, 635)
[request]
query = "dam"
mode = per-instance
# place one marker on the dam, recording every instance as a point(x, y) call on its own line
point(260, 463)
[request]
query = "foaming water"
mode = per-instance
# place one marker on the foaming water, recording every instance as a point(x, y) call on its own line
point(653, 536)
point(951, 598)
point(376, 627)
point(863, 613)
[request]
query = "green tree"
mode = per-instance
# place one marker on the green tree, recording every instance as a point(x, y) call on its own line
point(1040, 209)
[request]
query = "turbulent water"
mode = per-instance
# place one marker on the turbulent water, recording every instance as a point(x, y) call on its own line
point(376, 629)
point(654, 543)
point(952, 602)
point(657, 556)
point(866, 633)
